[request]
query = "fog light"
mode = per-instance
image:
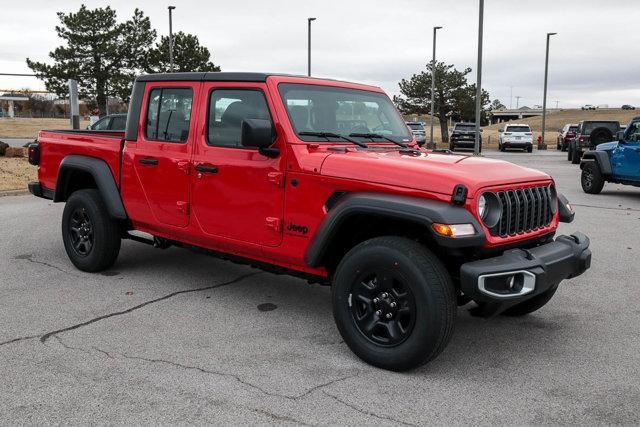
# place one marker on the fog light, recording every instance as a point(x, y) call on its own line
point(454, 230)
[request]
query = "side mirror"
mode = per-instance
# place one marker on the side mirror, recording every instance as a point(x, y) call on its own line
point(259, 133)
point(500, 130)
point(620, 136)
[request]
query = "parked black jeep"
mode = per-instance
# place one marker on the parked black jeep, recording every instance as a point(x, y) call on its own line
point(590, 133)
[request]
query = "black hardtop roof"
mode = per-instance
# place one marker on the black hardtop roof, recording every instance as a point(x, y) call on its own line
point(599, 121)
point(205, 76)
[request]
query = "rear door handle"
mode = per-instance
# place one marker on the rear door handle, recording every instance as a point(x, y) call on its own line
point(201, 167)
point(148, 161)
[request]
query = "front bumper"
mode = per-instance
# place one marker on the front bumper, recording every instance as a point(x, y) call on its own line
point(520, 274)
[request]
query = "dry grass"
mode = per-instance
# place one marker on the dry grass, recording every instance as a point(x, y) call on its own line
point(16, 173)
point(29, 128)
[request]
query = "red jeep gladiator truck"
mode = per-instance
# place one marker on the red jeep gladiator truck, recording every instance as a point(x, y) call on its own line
point(321, 179)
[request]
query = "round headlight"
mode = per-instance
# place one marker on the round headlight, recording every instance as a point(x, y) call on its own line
point(489, 209)
point(482, 206)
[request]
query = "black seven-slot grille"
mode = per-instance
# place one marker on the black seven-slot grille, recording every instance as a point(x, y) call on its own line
point(524, 210)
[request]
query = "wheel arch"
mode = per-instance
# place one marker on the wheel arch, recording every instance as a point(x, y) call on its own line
point(600, 158)
point(356, 217)
point(79, 172)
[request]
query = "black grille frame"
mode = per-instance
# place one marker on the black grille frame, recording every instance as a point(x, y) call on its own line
point(524, 210)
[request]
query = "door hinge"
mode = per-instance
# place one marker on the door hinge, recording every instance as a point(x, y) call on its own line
point(274, 223)
point(276, 178)
point(185, 166)
point(183, 207)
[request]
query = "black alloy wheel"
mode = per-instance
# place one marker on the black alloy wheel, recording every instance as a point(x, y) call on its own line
point(383, 307)
point(81, 232)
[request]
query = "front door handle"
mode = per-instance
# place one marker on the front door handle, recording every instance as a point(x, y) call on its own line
point(202, 167)
point(148, 161)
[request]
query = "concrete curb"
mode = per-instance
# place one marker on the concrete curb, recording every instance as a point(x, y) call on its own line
point(4, 193)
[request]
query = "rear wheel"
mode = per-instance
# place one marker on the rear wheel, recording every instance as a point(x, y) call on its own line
point(393, 303)
point(531, 305)
point(91, 236)
point(530, 149)
point(570, 152)
point(591, 179)
point(576, 155)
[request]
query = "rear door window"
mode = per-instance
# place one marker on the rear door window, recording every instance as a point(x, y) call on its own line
point(169, 114)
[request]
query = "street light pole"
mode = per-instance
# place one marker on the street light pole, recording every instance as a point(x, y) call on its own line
point(476, 148)
point(432, 143)
point(170, 38)
point(542, 145)
point(309, 20)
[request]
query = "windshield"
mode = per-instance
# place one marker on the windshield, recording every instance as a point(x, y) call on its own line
point(416, 126)
point(518, 129)
point(327, 109)
point(465, 128)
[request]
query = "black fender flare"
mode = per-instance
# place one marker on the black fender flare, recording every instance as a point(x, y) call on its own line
point(601, 158)
point(102, 176)
point(416, 210)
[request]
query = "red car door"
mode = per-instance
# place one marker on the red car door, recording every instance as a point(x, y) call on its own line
point(237, 193)
point(161, 156)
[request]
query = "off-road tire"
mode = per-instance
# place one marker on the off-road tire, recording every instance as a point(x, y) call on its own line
point(430, 286)
point(104, 235)
point(531, 305)
point(576, 156)
point(591, 178)
point(570, 152)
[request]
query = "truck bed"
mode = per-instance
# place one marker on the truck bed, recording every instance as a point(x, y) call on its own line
point(55, 145)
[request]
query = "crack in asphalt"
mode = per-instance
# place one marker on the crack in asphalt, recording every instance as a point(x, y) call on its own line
point(116, 355)
point(44, 337)
point(607, 208)
point(29, 257)
point(365, 412)
point(48, 335)
point(29, 337)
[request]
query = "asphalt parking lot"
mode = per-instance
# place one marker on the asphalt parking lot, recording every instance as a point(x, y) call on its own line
point(174, 337)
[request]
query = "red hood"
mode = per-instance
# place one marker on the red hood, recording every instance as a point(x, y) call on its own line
point(433, 172)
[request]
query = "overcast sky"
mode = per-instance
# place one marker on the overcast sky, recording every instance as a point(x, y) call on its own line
point(594, 58)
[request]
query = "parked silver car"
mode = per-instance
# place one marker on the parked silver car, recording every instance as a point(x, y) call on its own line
point(417, 128)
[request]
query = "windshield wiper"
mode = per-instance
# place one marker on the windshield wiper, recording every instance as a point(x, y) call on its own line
point(328, 135)
point(377, 135)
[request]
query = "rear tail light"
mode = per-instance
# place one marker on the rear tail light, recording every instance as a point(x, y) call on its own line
point(582, 139)
point(34, 154)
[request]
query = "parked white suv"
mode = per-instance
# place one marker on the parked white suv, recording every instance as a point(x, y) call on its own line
point(515, 136)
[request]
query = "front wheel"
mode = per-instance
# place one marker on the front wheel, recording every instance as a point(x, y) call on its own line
point(591, 179)
point(91, 236)
point(393, 303)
